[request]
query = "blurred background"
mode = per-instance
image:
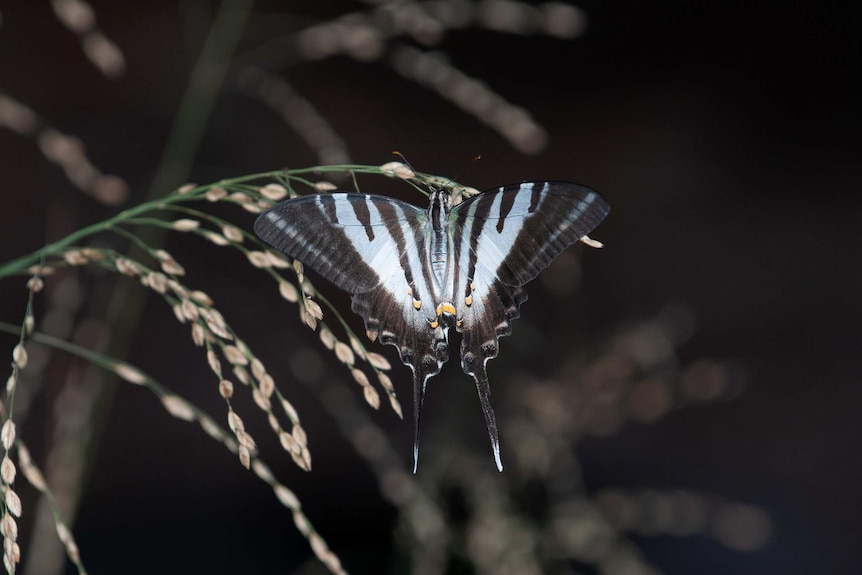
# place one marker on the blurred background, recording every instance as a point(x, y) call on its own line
point(686, 399)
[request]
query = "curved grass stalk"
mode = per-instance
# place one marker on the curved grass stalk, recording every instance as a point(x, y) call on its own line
point(181, 409)
point(209, 329)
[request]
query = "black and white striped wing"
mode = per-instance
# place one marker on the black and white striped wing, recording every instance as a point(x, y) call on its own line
point(374, 248)
point(503, 238)
point(345, 237)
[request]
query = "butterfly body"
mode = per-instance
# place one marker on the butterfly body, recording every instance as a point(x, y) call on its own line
point(414, 273)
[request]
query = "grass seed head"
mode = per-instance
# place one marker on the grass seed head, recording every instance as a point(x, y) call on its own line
point(201, 298)
point(261, 400)
point(325, 187)
point(214, 362)
point(168, 263)
point(127, 267)
point(13, 502)
point(377, 360)
point(185, 188)
point(327, 338)
point(274, 424)
point(344, 353)
point(7, 434)
point(314, 309)
point(9, 527)
point(261, 470)
point(288, 291)
point(277, 260)
point(75, 258)
point(225, 388)
point(371, 396)
point(198, 334)
point(254, 208)
point(129, 373)
point(289, 443)
point(215, 194)
point(232, 233)
point(234, 421)
point(7, 470)
point(190, 310)
point(185, 225)
point(399, 170)
point(234, 355)
point(156, 281)
point(241, 374)
point(35, 284)
point(396, 406)
point(274, 192)
point(290, 411)
point(178, 407)
point(357, 347)
point(177, 308)
point(286, 497)
point(211, 428)
point(19, 356)
point(360, 377)
point(385, 382)
point(244, 456)
point(299, 434)
point(257, 368)
point(218, 329)
point(173, 268)
point(217, 239)
point(267, 385)
point(259, 259)
point(307, 319)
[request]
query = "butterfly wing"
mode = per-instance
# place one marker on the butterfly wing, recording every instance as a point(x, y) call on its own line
point(372, 247)
point(503, 239)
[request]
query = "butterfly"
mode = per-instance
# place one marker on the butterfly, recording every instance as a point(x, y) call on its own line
point(415, 273)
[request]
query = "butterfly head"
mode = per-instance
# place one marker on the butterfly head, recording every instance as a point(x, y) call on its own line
point(438, 211)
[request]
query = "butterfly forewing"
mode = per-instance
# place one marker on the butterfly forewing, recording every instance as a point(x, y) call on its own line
point(353, 240)
point(517, 231)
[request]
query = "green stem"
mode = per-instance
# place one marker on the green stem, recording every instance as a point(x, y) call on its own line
point(20, 265)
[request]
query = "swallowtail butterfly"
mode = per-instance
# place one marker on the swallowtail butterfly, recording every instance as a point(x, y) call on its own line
point(415, 273)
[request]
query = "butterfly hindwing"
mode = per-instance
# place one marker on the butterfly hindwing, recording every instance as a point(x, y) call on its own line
point(503, 238)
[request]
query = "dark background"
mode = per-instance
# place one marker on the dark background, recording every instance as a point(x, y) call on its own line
point(726, 136)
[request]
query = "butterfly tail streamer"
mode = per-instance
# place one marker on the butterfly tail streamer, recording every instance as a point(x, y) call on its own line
point(418, 398)
point(484, 389)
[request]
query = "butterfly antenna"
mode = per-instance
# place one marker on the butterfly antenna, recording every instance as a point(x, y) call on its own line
point(455, 178)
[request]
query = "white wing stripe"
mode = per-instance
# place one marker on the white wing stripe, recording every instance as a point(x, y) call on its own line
point(493, 245)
